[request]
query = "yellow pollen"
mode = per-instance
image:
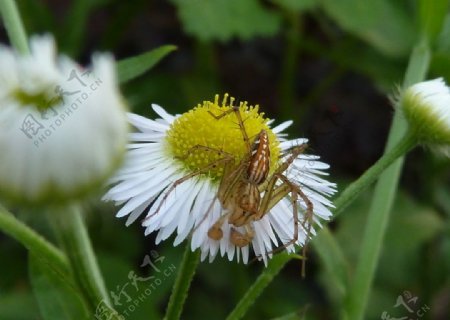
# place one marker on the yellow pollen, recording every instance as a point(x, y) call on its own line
point(198, 127)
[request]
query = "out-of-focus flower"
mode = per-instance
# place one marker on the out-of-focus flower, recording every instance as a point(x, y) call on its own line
point(178, 169)
point(63, 128)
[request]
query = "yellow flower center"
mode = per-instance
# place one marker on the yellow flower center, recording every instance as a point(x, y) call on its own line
point(217, 137)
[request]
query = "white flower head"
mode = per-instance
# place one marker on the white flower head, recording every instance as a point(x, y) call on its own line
point(426, 106)
point(192, 175)
point(63, 127)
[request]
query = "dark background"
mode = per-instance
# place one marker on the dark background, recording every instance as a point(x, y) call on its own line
point(329, 67)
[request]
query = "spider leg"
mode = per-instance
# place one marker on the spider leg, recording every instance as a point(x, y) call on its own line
point(237, 112)
point(306, 224)
point(274, 194)
point(294, 153)
point(224, 160)
point(229, 182)
point(224, 193)
point(197, 147)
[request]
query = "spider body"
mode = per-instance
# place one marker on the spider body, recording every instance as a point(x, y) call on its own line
point(241, 188)
point(242, 200)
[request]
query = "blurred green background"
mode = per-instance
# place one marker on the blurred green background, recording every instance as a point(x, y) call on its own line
point(328, 65)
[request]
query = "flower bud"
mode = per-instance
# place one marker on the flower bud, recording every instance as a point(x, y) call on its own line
point(426, 106)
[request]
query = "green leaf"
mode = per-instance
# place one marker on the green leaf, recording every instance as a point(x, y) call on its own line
point(296, 5)
point(440, 66)
point(383, 24)
point(336, 268)
point(57, 296)
point(224, 19)
point(410, 259)
point(443, 40)
point(432, 15)
point(133, 67)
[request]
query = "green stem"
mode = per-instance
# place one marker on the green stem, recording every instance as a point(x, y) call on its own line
point(382, 201)
point(72, 234)
point(345, 198)
point(274, 267)
point(182, 283)
point(33, 241)
point(354, 189)
point(14, 26)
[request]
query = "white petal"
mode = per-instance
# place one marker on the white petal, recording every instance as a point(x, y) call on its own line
point(282, 126)
point(162, 113)
point(146, 125)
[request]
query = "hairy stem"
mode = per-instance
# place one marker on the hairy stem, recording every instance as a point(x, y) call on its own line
point(182, 283)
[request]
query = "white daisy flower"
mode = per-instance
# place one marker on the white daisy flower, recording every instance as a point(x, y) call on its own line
point(177, 168)
point(426, 106)
point(64, 128)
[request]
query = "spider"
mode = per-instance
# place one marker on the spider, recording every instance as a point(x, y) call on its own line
point(241, 188)
point(243, 182)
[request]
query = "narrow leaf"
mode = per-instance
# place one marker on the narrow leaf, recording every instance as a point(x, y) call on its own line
point(57, 296)
point(333, 260)
point(432, 15)
point(133, 67)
